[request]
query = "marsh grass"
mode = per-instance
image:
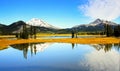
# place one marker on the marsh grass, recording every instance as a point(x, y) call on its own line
point(105, 40)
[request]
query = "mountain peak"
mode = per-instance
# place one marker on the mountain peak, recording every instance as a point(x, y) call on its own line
point(101, 22)
point(97, 21)
point(36, 22)
point(36, 19)
point(39, 23)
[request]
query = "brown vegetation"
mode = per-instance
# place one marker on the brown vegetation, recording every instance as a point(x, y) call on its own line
point(5, 42)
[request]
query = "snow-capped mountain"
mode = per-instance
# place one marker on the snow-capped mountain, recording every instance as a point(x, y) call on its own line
point(40, 23)
point(97, 25)
point(97, 22)
point(39, 47)
point(101, 22)
point(41, 26)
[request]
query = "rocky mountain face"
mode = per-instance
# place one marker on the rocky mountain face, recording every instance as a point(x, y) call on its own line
point(12, 28)
point(17, 27)
point(2, 28)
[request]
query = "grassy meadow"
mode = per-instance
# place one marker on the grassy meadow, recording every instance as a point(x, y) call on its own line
point(4, 41)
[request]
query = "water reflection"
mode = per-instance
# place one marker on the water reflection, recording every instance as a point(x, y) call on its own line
point(32, 47)
point(105, 58)
point(73, 45)
point(61, 57)
point(40, 47)
point(3, 48)
point(106, 47)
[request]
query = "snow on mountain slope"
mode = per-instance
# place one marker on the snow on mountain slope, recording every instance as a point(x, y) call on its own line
point(101, 22)
point(39, 47)
point(40, 23)
point(97, 22)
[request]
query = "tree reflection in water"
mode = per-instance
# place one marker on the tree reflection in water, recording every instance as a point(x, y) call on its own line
point(32, 47)
point(39, 47)
point(106, 47)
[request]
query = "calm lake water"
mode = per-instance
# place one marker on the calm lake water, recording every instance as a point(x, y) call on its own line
point(60, 57)
point(49, 37)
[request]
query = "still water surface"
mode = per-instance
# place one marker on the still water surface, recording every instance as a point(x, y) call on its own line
point(60, 57)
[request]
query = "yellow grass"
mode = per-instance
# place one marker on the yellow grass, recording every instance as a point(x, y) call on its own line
point(5, 42)
point(7, 36)
point(45, 35)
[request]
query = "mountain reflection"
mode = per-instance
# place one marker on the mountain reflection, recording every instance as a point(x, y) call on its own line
point(32, 47)
point(105, 47)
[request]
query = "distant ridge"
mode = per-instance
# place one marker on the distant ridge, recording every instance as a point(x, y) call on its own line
point(97, 25)
point(43, 27)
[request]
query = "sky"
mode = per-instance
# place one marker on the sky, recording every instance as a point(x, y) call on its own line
point(60, 13)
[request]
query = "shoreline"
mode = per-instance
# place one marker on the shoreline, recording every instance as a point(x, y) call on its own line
point(102, 40)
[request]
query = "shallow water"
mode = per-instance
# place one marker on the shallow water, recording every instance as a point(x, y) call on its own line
point(60, 57)
point(48, 37)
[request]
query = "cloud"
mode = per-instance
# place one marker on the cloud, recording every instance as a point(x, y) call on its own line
point(103, 9)
point(102, 61)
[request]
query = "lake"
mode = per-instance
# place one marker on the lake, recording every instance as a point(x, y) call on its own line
point(79, 36)
point(60, 57)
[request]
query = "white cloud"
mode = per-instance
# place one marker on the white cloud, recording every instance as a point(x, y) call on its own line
point(103, 9)
point(102, 61)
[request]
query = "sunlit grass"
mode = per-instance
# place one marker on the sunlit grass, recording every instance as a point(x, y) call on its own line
point(7, 36)
point(106, 40)
point(46, 34)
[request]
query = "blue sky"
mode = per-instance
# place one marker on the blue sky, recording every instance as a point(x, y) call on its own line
point(61, 13)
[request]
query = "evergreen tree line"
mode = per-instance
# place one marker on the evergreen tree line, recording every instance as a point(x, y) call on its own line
point(109, 30)
point(24, 34)
point(112, 30)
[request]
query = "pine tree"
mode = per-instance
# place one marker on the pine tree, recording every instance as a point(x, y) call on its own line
point(34, 32)
point(108, 30)
point(117, 31)
point(31, 31)
point(73, 34)
point(24, 34)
